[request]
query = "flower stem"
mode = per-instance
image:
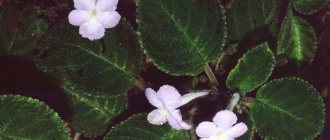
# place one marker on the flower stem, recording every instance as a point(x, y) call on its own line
point(211, 75)
point(192, 113)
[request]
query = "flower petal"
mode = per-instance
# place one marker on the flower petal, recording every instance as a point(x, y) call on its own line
point(92, 30)
point(191, 96)
point(84, 4)
point(170, 97)
point(225, 119)
point(156, 117)
point(152, 98)
point(206, 129)
point(237, 130)
point(107, 5)
point(78, 17)
point(175, 121)
point(109, 19)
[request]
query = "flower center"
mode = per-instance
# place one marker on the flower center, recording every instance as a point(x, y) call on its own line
point(164, 112)
point(94, 13)
point(218, 136)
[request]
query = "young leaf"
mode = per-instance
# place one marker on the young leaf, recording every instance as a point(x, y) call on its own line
point(138, 128)
point(96, 74)
point(288, 108)
point(24, 118)
point(297, 39)
point(246, 15)
point(181, 36)
point(309, 7)
point(20, 30)
point(252, 70)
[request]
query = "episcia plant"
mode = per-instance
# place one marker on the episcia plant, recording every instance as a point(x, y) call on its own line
point(95, 55)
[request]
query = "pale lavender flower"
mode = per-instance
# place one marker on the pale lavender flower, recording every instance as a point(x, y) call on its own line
point(93, 16)
point(222, 127)
point(167, 99)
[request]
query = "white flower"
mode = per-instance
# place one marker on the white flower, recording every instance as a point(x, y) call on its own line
point(221, 128)
point(167, 99)
point(93, 16)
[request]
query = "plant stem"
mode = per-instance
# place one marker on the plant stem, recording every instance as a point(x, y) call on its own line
point(76, 136)
point(192, 113)
point(211, 75)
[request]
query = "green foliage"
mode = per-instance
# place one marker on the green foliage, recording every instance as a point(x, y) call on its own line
point(181, 36)
point(245, 16)
point(288, 108)
point(251, 128)
point(96, 74)
point(24, 118)
point(297, 39)
point(20, 30)
point(309, 7)
point(138, 128)
point(252, 70)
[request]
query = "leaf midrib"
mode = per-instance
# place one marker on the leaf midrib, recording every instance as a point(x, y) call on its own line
point(182, 30)
point(281, 110)
point(129, 74)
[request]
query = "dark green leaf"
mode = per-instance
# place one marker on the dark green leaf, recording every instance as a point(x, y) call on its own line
point(245, 16)
point(251, 128)
point(297, 39)
point(20, 30)
point(288, 108)
point(24, 118)
point(252, 70)
point(138, 128)
point(309, 7)
point(96, 74)
point(181, 36)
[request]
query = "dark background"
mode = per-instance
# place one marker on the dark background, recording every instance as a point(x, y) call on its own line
point(20, 76)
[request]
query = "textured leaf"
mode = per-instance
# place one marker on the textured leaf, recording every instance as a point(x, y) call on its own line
point(309, 7)
point(24, 118)
point(20, 30)
point(96, 74)
point(245, 16)
point(252, 70)
point(181, 36)
point(251, 128)
point(138, 128)
point(297, 39)
point(288, 108)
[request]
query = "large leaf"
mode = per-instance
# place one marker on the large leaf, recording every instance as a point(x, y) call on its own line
point(96, 74)
point(245, 16)
point(181, 36)
point(288, 108)
point(24, 118)
point(252, 70)
point(138, 128)
point(309, 6)
point(247, 119)
point(20, 30)
point(297, 39)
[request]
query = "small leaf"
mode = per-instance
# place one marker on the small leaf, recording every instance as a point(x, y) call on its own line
point(138, 128)
point(181, 36)
point(309, 7)
point(245, 16)
point(24, 118)
point(297, 39)
point(20, 30)
point(97, 75)
point(288, 108)
point(252, 70)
